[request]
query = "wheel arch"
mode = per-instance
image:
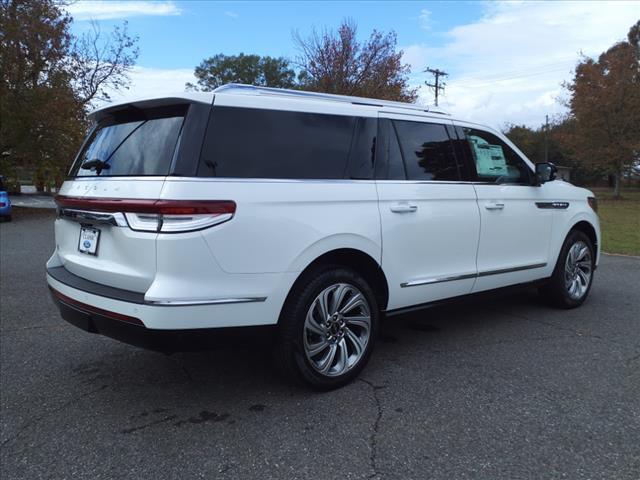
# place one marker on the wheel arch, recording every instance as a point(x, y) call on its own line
point(588, 229)
point(585, 226)
point(352, 258)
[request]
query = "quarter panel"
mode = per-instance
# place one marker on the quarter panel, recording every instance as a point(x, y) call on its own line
point(280, 224)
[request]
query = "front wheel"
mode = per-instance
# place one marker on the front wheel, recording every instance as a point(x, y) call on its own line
point(328, 328)
point(573, 274)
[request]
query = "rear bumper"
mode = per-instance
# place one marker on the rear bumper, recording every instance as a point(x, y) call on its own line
point(131, 330)
point(169, 315)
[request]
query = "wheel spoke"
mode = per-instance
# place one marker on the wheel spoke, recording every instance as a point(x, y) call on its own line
point(355, 341)
point(338, 296)
point(356, 300)
point(582, 252)
point(575, 285)
point(324, 304)
point(585, 266)
point(318, 347)
point(327, 361)
point(583, 276)
point(342, 357)
point(313, 325)
point(359, 321)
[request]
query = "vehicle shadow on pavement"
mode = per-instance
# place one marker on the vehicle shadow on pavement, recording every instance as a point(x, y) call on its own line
point(247, 364)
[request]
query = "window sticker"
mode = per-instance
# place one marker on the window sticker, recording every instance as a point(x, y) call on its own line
point(490, 159)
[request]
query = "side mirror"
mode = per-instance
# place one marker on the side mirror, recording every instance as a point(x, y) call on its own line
point(545, 172)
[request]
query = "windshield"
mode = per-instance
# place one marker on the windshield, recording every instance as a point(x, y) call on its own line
point(129, 146)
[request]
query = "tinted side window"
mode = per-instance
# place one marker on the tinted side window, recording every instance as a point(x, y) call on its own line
point(258, 143)
point(389, 164)
point(427, 151)
point(363, 149)
point(494, 160)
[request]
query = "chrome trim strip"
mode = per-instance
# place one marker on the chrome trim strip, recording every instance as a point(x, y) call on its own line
point(512, 269)
point(466, 276)
point(428, 281)
point(217, 301)
point(117, 219)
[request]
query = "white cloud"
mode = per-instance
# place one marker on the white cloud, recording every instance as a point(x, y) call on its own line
point(231, 14)
point(509, 65)
point(154, 82)
point(425, 19)
point(104, 10)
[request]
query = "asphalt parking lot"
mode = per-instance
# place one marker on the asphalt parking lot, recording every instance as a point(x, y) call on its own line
point(500, 388)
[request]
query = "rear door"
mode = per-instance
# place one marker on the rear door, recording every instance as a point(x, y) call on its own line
point(429, 216)
point(124, 160)
point(515, 233)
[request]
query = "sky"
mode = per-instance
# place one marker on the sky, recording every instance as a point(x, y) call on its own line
point(506, 61)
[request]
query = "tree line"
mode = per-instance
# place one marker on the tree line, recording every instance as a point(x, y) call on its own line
point(599, 137)
point(51, 78)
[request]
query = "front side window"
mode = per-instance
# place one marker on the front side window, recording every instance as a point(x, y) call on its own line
point(494, 160)
point(129, 146)
point(260, 143)
point(427, 151)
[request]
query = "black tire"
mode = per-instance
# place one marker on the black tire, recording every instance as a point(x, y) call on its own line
point(556, 290)
point(291, 354)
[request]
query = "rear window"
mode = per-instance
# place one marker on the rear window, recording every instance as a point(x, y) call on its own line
point(259, 143)
point(131, 143)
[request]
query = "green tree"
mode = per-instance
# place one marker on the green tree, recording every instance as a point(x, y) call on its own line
point(605, 109)
point(248, 69)
point(49, 79)
point(337, 62)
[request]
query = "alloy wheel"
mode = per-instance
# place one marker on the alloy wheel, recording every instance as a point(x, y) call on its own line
point(337, 329)
point(578, 270)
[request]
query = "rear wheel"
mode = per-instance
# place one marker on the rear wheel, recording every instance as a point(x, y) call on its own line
point(573, 274)
point(328, 328)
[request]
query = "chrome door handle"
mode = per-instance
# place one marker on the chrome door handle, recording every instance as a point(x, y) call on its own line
point(403, 208)
point(494, 206)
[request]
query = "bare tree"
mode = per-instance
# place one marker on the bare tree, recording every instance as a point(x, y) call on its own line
point(336, 62)
point(100, 63)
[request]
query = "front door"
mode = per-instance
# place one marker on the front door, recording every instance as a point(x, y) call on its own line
point(515, 233)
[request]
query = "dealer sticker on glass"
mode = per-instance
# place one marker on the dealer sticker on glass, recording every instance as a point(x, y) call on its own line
point(89, 240)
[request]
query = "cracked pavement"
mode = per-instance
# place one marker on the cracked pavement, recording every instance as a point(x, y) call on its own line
point(498, 388)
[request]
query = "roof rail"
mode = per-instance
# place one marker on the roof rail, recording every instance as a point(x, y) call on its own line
point(255, 90)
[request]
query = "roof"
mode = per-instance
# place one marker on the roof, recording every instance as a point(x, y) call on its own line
point(237, 88)
point(270, 96)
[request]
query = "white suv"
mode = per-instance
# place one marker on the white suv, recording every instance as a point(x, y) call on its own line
point(312, 214)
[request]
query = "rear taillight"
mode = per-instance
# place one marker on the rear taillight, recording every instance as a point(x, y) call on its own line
point(166, 216)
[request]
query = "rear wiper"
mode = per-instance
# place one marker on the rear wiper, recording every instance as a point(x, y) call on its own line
point(96, 164)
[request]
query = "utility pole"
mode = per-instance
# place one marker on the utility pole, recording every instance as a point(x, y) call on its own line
point(437, 85)
point(546, 138)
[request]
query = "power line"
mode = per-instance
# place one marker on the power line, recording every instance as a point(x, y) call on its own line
point(518, 71)
point(437, 85)
point(502, 79)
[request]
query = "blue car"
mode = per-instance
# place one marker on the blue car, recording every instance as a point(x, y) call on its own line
point(5, 203)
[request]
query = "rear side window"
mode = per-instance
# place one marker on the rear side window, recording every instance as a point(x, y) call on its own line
point(132, 143)
point(259, 143)
point(494, 160)
point(427, 151)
